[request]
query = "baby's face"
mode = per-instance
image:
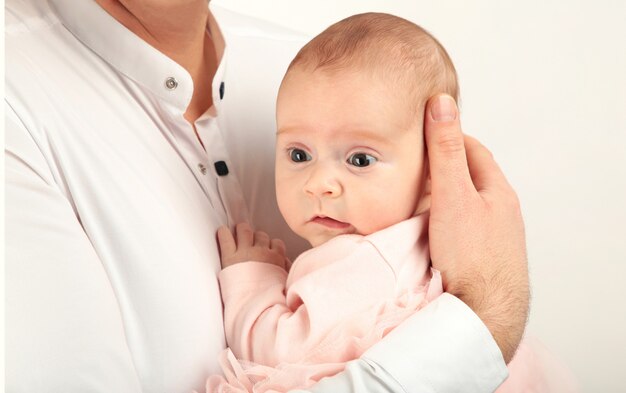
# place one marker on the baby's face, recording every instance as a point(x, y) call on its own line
point(349, 154)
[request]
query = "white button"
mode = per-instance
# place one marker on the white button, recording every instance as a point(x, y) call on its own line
point(171, 83)
point(202, 168)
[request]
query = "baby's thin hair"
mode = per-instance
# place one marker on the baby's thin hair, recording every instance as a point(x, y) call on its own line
point(388, 46)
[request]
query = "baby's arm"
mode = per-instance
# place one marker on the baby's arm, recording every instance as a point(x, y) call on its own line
point(252, 284)
point(269, 321)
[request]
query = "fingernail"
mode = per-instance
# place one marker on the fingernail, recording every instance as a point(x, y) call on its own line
point(443, 108)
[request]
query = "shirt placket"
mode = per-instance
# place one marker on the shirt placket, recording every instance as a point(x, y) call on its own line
point(220, 164)
point(189, 147)
point(219, 169)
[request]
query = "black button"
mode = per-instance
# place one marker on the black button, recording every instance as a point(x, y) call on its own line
point(221, 168)
point(222, 91)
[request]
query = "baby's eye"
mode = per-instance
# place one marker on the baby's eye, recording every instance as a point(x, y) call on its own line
point(299, 155)
point(361, 160)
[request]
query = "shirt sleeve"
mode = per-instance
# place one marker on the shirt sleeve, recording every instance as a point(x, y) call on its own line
point(254, 301)
point(443, 348)
point(63, 327)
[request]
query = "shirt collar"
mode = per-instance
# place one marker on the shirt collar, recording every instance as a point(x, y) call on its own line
point(126, 52)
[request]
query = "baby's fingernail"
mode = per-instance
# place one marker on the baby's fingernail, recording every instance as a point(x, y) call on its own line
point(443, 108)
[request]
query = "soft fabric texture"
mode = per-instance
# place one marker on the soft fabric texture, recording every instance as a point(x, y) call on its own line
point(534, 369)
point(289, 330)
point(337, 301)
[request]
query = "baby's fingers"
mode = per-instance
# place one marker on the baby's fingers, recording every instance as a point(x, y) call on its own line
point(261, 239)
point(226, 242)
point(278, 246)
point(245, 236)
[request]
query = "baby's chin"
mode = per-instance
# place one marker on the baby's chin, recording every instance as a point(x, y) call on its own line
point(318, 240)
point(321, 238)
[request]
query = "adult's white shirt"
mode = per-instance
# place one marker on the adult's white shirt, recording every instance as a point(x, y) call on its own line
point(112, 205)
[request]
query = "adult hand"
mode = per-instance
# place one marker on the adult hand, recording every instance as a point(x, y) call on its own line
point(476, 230)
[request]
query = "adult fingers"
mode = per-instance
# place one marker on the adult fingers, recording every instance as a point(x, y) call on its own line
point(226, 242)
point(245, 235)
point(450, 177)
point(485, 172)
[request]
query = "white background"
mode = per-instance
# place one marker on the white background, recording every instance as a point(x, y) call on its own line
point(543, 85)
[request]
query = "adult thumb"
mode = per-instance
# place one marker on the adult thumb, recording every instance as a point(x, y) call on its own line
point(450, 176)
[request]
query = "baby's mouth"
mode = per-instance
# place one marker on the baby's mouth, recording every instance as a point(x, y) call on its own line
point(329, 222)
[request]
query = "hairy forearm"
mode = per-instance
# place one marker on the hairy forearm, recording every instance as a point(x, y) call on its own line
point(502, 303)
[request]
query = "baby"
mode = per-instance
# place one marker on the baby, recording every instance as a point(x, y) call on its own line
point(352, 179)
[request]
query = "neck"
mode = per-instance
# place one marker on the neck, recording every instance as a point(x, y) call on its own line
point(178, 30)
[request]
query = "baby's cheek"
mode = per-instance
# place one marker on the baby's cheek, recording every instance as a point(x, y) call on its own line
point(286, 201)
point(403, 199)
point(379, 211)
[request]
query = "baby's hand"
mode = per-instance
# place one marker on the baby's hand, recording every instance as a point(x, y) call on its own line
point(249, 246)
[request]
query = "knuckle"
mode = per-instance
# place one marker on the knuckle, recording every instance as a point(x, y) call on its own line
point(512, 201)
point(477, 146)
point(487, 152)
point(244, 227)
point(450, 142)
point(506, 202)
point(515, 206)
point(223, 230)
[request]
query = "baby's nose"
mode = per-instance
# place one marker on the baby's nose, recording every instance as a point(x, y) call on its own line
point(323, 183)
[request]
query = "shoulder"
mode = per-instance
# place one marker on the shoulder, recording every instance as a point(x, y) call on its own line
point(26, 21)
point(234, 23)
point(258, 43)
point(35, 41)
point(52, 78)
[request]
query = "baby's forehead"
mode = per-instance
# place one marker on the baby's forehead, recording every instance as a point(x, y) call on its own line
point(351, 102)
point(382, 121)
point(388, 47)
point(409, 89)
point(373, 87)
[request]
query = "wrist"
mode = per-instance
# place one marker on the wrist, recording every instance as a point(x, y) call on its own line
point(249, 278)
point(501, 304)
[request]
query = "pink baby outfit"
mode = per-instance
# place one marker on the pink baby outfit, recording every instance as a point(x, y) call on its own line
point(288, 331)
